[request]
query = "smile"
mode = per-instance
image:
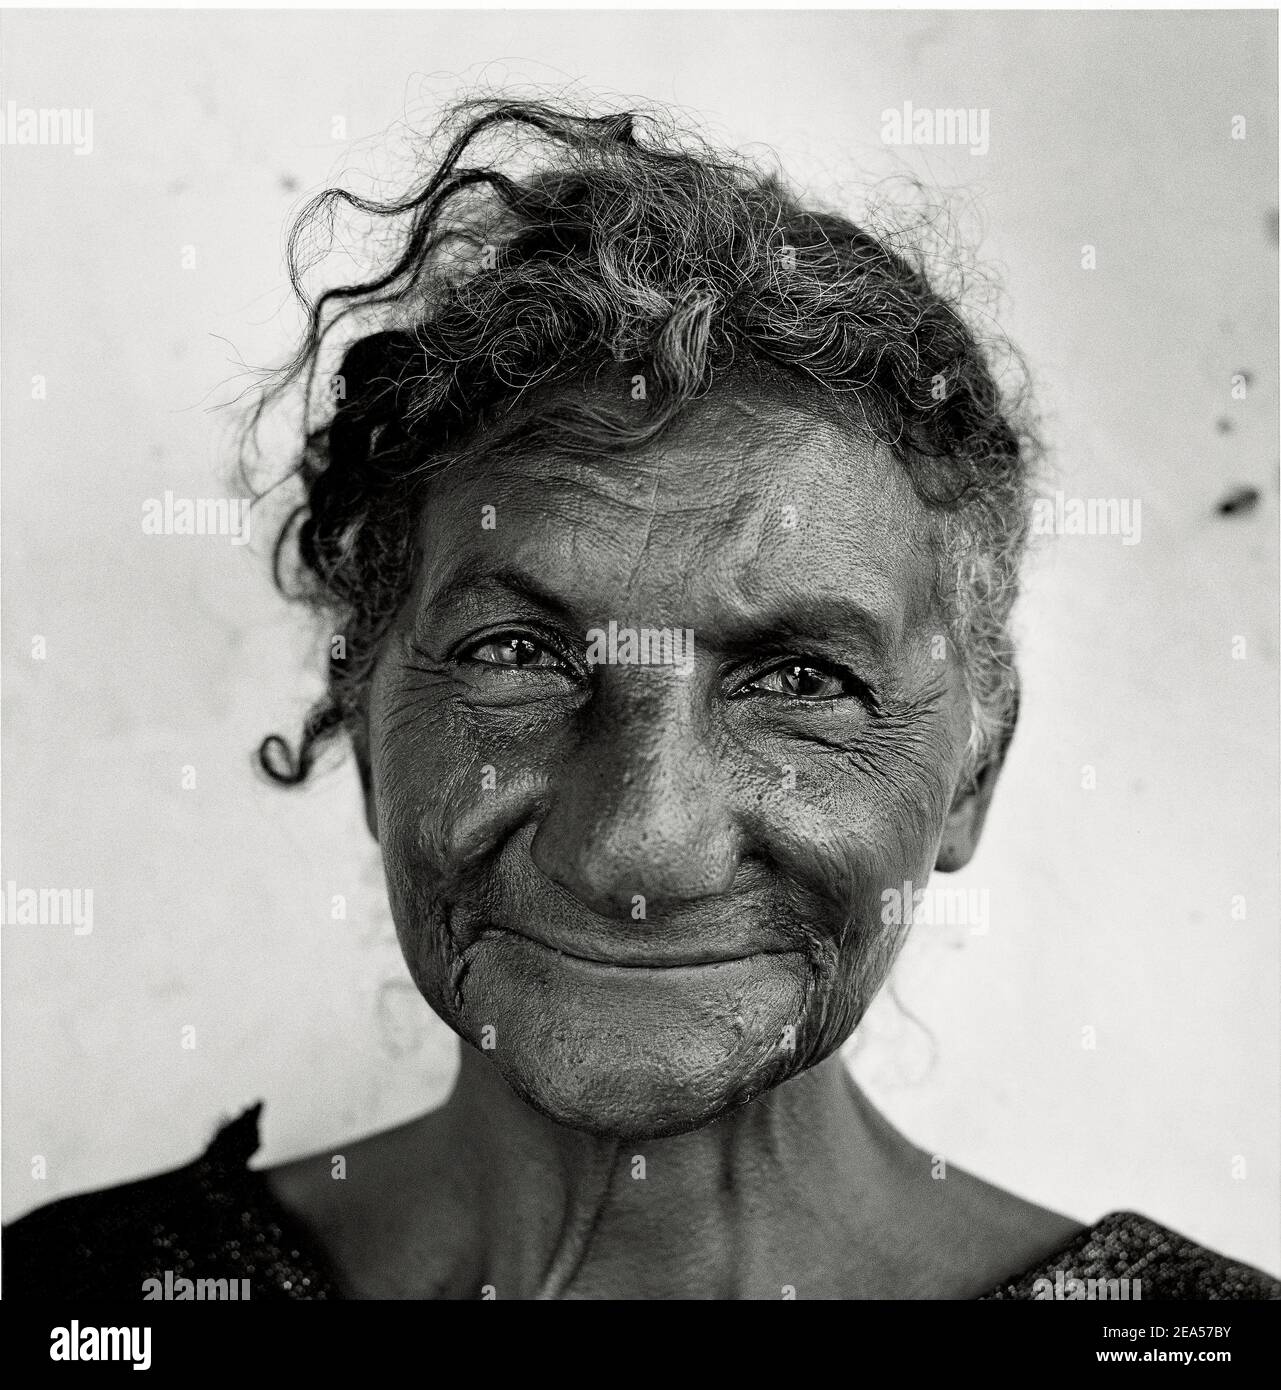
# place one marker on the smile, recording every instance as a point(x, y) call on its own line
point(687, 961)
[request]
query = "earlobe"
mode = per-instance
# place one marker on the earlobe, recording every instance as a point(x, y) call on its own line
point(964, 823)
point(371, 810)
point(360, 747)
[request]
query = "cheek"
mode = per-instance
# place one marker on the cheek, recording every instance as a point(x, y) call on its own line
point(864, 828)
point(444, 778)
point(448, 792)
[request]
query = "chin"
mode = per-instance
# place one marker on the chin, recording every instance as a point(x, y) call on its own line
point(640, 1100)
point(633, 1053)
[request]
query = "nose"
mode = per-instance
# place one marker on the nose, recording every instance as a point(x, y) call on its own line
point(641, 810)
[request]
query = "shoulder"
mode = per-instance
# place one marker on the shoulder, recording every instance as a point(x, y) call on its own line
point(398, 1224)
point(971, 1234)
point(1128, 1256)
point(194, 1232)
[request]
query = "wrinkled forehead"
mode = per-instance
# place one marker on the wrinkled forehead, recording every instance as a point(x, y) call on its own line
point(748, 499)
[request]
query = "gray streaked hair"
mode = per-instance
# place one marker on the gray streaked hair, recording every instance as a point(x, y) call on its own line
point(545, 243)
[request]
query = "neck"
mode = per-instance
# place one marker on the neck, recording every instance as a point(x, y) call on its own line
point(736, 1209)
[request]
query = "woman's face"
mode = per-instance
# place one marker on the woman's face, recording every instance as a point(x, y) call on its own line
point(648, 892)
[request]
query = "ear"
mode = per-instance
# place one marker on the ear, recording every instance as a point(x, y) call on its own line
point(360, 747)
point(964, 822)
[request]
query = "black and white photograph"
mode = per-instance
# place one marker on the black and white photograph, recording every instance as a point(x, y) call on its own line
point(640, 663)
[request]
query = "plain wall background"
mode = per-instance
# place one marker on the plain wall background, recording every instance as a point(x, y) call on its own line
point(1110, 908)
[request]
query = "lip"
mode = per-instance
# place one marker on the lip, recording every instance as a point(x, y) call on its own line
point(638, 964)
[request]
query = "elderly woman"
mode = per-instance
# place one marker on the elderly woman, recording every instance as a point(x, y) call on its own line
point(669, 530)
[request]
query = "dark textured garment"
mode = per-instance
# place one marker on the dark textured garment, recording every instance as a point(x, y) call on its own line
point(216, 1218)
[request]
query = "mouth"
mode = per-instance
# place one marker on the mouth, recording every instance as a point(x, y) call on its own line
point(638, 964)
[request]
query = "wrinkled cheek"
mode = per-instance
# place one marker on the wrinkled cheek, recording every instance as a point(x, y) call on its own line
point(422, 929)
point(855, 963)
point(421, 872)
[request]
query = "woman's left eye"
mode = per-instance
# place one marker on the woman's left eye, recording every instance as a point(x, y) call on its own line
point(800, 681)
point(516, 654)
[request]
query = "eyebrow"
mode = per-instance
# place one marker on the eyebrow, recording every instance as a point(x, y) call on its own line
point(824, 618)
point(481, 578)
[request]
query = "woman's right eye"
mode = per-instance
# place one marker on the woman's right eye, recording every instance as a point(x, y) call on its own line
point(515, 653)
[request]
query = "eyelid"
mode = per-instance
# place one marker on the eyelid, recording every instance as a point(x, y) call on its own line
point(858, 688)
point(462, 651)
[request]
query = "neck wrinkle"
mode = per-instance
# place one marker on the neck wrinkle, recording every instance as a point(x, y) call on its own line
point(715, 1210)
point(582, 1218)
point(539, 1189)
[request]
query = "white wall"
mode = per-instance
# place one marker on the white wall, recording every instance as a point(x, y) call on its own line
point(1110, 908)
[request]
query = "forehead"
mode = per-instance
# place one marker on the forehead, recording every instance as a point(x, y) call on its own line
point(745, 501)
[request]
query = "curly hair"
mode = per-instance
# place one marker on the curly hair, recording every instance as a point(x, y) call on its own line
point(582, 241)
